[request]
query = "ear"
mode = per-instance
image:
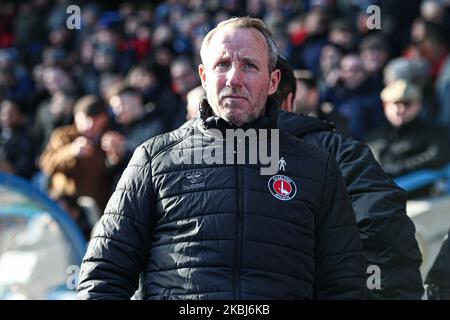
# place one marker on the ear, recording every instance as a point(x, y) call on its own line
point(286, 105)
point(289, 102)
point(202, 74)
point(275, 77)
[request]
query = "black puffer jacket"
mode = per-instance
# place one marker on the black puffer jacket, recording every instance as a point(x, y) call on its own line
point(438, 279)
point(414, 146)
point(225, 235)
point(387, 233)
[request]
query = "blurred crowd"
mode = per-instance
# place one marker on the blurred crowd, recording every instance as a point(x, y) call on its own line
point(74, 103)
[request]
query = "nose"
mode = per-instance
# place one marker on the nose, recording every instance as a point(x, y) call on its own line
point(400, 107)
point(234, 77)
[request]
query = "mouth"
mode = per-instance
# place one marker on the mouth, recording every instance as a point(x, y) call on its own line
point(233, 97)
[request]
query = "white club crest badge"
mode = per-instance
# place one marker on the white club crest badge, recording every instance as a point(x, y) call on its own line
point(282, 187)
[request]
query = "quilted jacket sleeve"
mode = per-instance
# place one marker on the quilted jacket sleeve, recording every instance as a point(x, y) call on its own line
point(340, 260)
point(386, 231)
point(119, 246)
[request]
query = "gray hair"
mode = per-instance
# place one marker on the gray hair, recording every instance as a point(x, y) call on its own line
point(246, 23)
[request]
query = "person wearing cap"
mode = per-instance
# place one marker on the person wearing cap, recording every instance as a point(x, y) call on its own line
point(408, 143)
point(73, 158)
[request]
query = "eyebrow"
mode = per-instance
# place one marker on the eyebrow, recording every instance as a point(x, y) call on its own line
point(226, 56)
point(250, 60)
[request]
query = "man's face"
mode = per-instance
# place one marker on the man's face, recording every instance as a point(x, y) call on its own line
point(125, 107)
point(183, 78)
point(329, 58)
point(9, 116)
point(235, 74)
point(91, 126)
point(373, 59)
point(306, 99)
point(401, 113)
point(352, 72)
point(55, 79)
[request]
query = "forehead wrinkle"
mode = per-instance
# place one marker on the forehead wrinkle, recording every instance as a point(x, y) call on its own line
point(226, 42)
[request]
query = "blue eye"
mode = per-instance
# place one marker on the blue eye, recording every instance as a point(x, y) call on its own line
point(249, 66)
point(222, 65)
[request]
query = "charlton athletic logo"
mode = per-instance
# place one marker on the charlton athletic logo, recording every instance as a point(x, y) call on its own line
point(282, 187)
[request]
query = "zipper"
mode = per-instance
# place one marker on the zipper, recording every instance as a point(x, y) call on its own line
point(239, 230)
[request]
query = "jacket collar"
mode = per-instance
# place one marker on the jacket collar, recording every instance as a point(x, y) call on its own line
point(300, 125)
point(211, 121)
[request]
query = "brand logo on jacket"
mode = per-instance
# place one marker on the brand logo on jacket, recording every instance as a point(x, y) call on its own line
point(282, 187)
point(194, 180)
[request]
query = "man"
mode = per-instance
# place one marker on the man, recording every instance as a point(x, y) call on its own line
point(438, 279)
point(17, 147)
point(137, 124)
point(184, 79)
point(408, 143)
point(355, 97)
point(73, 158)
point(374, 54)
point(298, 92)
point(147, 79)
point(210, 231)
point(387, 233)
point(194, 97)
point(57, 111)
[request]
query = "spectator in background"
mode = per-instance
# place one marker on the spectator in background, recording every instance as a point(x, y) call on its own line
point(306, 98)
point(443, 94)
point(438, 279)
point(56, 108)
point(184, 79)
point(374, 53)
point(90, 13)
point(78, 214)
point(28, 27)
point(73, 158)
point(104, 60)
point(163, 56)
point(355, 98)
point(408, 143)
point(343, 35)
point(56, 79)
point(55, 57)
point(386, 231)
point(298, 92)
point(55, 112)
point(430, 42)
point(194, 97)
point(417, 71)
point(15, 82)
point(307, 101)
point(145, 79)
point(108, 81)
point(305, 55)
point(17, 147)
point(137, 124)
point(329, 62)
